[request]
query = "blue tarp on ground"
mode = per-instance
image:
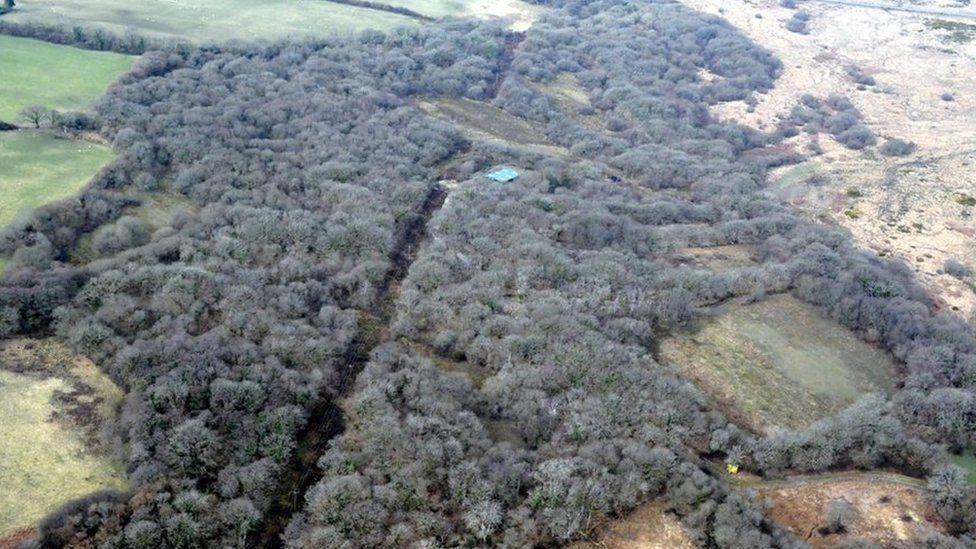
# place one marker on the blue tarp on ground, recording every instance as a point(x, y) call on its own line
point(503, 175)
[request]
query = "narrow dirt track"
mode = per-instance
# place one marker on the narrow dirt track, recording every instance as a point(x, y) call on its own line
point(326, 419)
point(945, 12)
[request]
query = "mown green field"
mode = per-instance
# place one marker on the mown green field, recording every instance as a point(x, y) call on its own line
point(778, 363)
point(58, 77)
point(37, 168)
point(211, 21)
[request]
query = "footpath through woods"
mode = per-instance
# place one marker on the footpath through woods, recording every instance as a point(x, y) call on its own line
point(326, 420)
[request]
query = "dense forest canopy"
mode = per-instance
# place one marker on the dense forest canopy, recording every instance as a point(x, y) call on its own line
point(285, 296)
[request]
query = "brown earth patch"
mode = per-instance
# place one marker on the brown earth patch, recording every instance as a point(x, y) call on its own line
point(649, 527)
point(889, 509)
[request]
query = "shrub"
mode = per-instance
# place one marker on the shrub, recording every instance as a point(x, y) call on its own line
point(860, 78)
point(840, 515)
point(897, 147)
point(857, 137)
point(798, 23)
point(127, 232)
point(956, 268)
point(841, 122)
point(839, 102)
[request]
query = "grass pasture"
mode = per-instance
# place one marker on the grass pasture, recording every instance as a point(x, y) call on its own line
point(59, 77)
point(213, 21)
point(39, 168)
point(158, 209)
point(778, 363)
point(45, 458)
point(571, 98)
point(716, 258)
point(793, 183)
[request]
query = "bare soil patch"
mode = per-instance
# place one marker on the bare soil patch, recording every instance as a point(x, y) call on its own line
point(889, 509)
point(649, 527)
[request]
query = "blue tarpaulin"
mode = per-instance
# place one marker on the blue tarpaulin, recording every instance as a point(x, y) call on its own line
point(503, 175)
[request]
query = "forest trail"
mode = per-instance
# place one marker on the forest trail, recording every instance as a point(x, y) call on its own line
point(923, 10)
point(326, 418)
point(405, 250)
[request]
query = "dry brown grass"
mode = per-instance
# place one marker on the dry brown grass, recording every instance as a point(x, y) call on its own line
point(890, 509)
point(717, 258)
point(649, 527)
point(777, 363)
point(480, 121)
point(573, 100)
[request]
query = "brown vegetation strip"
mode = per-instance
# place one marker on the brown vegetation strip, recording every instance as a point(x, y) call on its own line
point(399, 10)
point(14, 540)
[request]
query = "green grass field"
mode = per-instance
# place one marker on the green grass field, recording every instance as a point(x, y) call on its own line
point(59, 77)
point(778, 363)
point(38, 168)
point(44, 462)
point(211, 21)
point(967, 461)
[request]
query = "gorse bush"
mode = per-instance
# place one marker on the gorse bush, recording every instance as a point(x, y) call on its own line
point(799, 23)
point(835, 115)
point(898, 147)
